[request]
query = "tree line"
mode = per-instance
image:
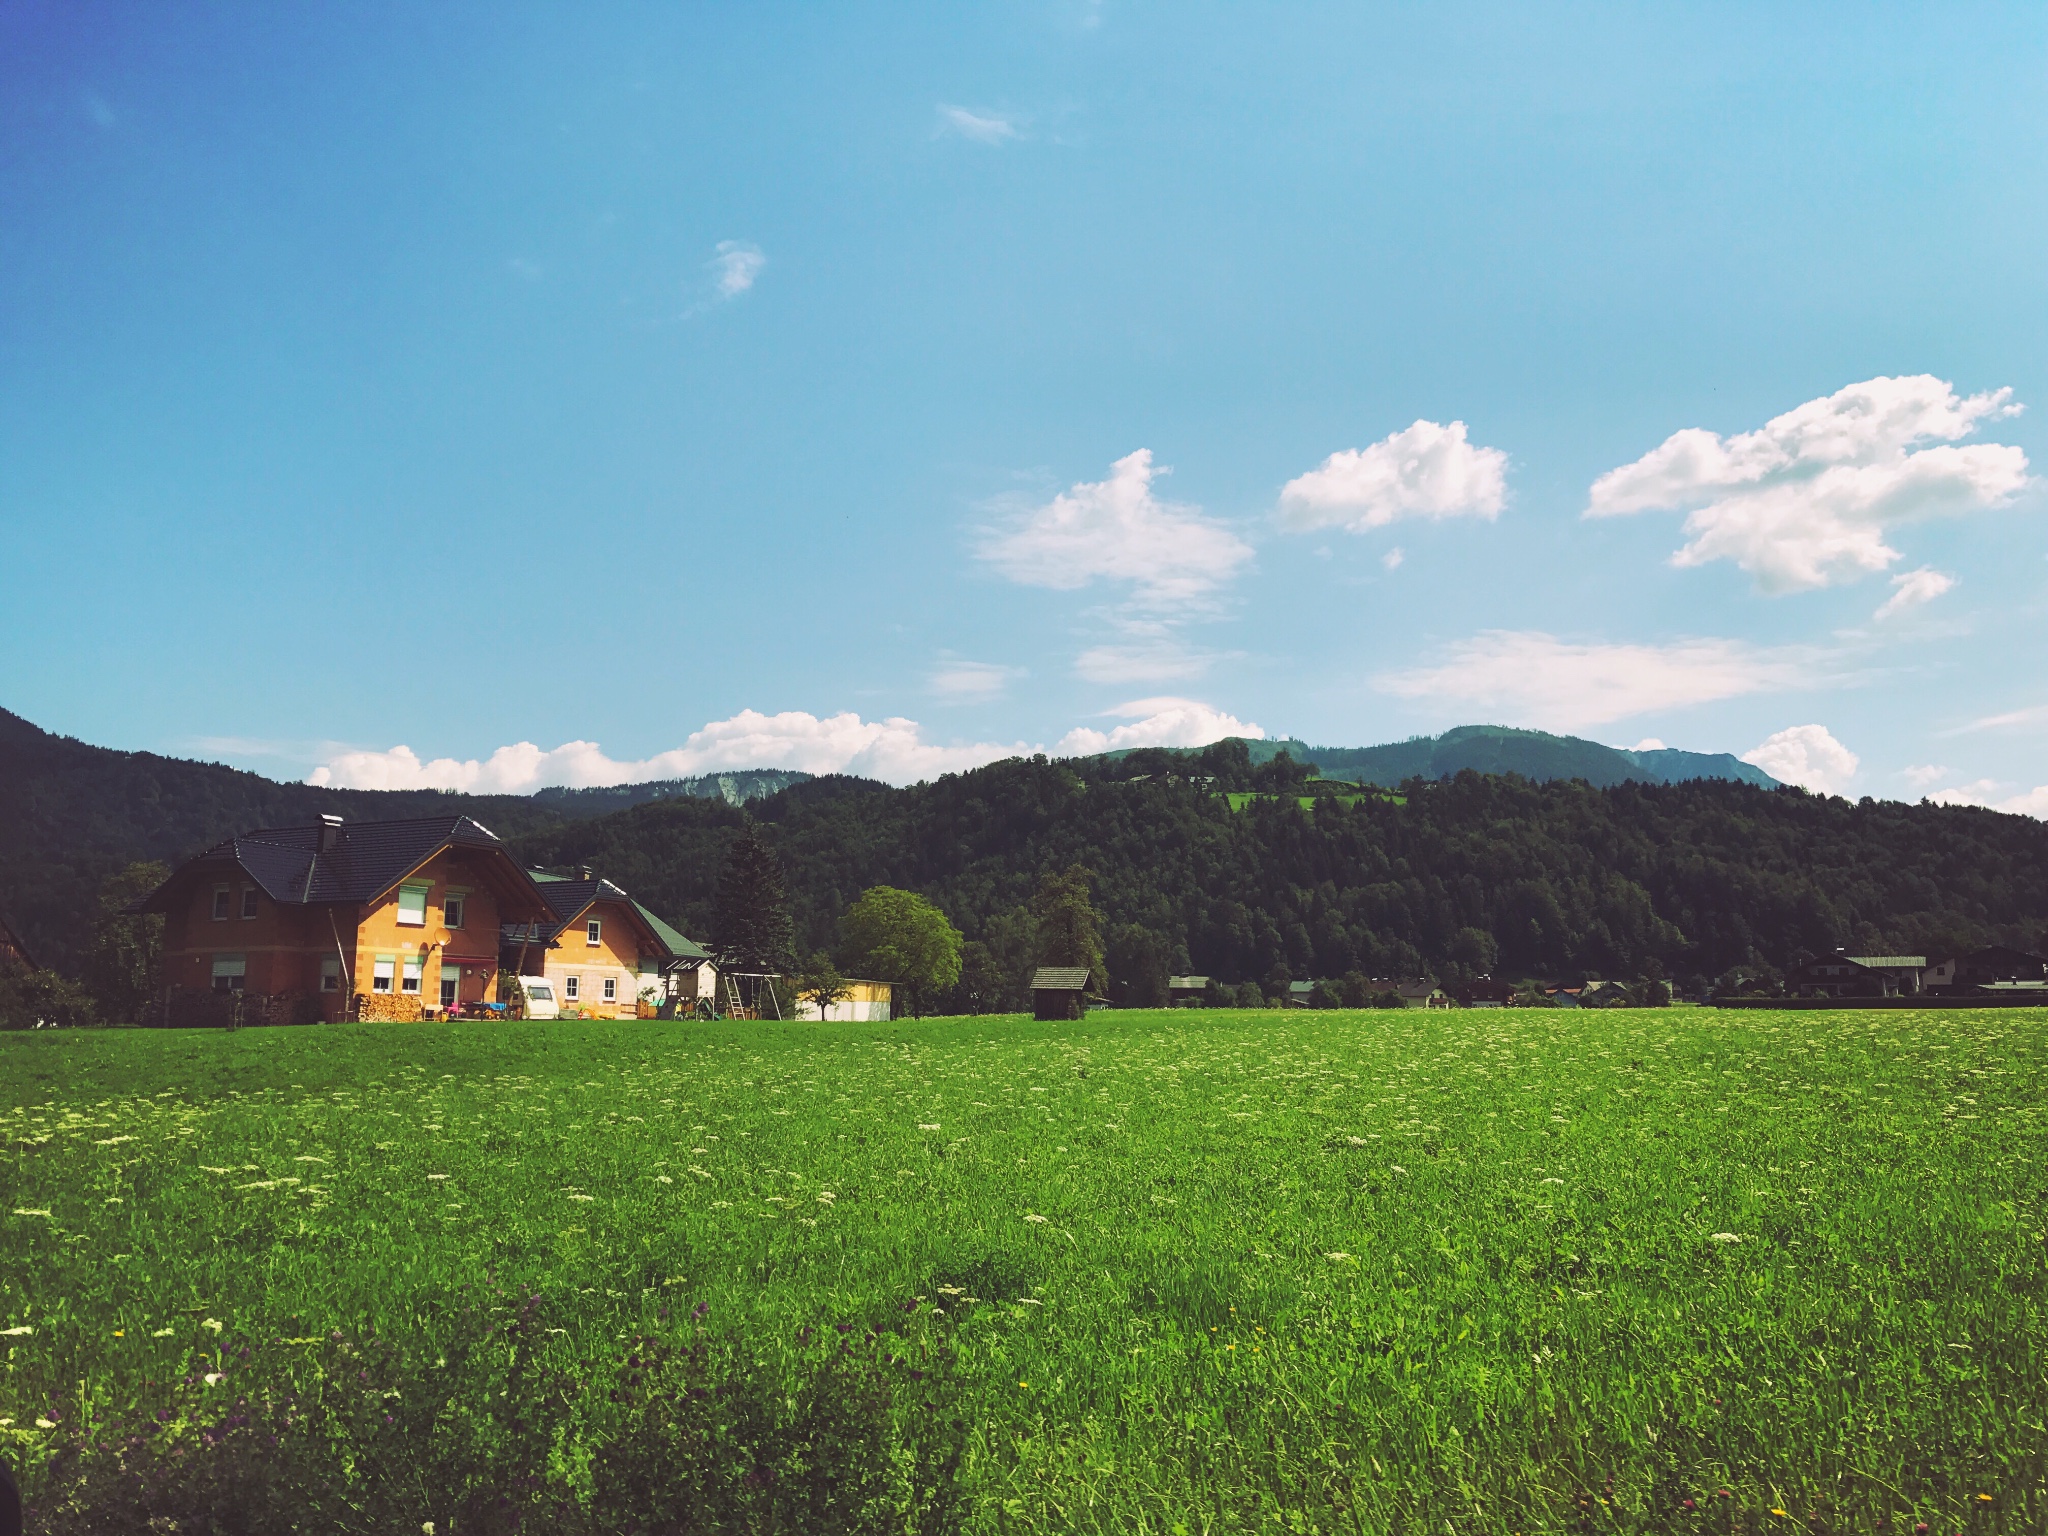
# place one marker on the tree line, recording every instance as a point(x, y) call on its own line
point(1260, 875)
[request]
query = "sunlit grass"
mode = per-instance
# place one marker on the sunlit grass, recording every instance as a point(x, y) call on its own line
point(1491, 1271)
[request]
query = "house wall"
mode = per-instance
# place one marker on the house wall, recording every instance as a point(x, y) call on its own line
point(617, 955)
point(280, 947)
point(471, 949)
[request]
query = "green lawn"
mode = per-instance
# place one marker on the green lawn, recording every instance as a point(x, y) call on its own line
point(1489, 1271)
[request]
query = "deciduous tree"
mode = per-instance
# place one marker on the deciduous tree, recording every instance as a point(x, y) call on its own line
point(897, 936)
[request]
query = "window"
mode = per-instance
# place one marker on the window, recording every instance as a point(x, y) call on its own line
point(382, 972)
point(230, 972)
point(220, 903)
point(451, 985)
point(451, 909)
point(570, 986)
point(593, 932)
point(330, 975)
point(248, 901)
point(412, 905)
point(611, 989)
point(410, 978)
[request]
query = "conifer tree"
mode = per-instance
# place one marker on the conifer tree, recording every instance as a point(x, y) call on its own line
point(750, 925)
point(1069, 929)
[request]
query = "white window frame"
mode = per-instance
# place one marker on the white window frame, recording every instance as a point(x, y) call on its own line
point(384, 974)
point(221, 902)
point(611, 989)
point(570, 989)
point(454, 907)
point(248, 902)
point(409, 916)
point(593, 932)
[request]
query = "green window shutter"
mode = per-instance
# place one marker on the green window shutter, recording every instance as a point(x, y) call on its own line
point(412, 904)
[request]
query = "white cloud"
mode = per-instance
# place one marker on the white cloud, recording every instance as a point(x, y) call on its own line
point(1806, 755)
point(1161, 722)
point(1913, 588)
point(1172, 555)
point(1392, 558)
point(2034, 714)
point(1920, 775)
point(893, 750)
point(1150, 652)
point(971, 682)
point(982, 127)
point(735, 267)
point(1426, 470)
point(1987, 793)
point(1806, 500)
point(1526, 677)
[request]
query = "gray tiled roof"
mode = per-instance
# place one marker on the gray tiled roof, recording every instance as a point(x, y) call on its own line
point(367, 859)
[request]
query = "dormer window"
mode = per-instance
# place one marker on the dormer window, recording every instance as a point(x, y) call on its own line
point(593, 933)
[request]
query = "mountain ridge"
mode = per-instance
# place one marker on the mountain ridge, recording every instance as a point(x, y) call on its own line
point(1535, 755)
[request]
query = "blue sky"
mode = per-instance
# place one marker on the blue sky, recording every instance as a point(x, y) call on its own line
point(649, 390)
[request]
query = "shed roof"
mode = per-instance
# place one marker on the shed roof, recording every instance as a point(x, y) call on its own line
point(1889, 962)
point(1059, 978)
point(1187, 983)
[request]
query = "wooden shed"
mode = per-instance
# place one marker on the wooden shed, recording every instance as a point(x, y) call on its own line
point(1059, 991)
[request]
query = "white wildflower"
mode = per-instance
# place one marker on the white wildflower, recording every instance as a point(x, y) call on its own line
point(212, 1322)
point(437, 1175)
point(1338, 1257)
point(163, 1333)
point(1396, 1168)
point(21, 1210)
point(1036, 1220)
point(211, 1378)
point(1727, 1237)
point(42, 1423)
point(18, 1331)
point(664, 1178)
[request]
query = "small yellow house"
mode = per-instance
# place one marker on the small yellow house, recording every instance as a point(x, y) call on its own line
point(607, 955)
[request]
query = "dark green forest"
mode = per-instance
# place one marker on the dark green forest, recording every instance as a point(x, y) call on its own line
point(1459, 876)
point(1455, 876)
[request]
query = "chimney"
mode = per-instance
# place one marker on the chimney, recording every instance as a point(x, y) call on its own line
point(585, 872)
point(330, 833)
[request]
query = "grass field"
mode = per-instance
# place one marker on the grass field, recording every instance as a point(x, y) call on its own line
point(1489, 1271)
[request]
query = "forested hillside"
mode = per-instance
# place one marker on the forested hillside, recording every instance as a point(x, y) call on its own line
point(1468, 874)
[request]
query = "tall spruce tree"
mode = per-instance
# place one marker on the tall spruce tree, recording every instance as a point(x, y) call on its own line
point(1068, 928)
point(750, 924)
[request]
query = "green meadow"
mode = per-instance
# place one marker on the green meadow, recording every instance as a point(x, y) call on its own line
point(1485, 1271)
